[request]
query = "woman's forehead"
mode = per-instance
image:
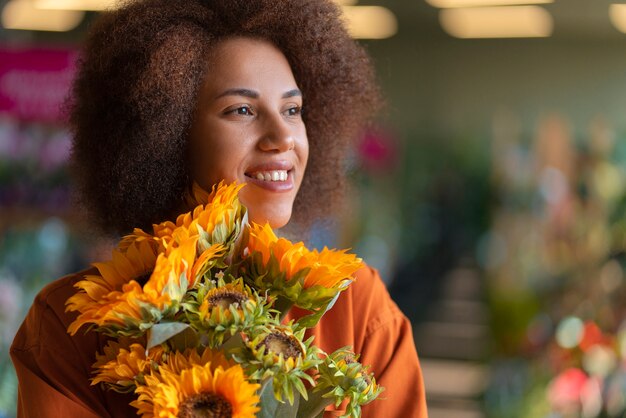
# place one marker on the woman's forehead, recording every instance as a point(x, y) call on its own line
point(247, 63)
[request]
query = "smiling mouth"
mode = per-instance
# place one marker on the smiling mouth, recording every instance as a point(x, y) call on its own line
point(270, 175)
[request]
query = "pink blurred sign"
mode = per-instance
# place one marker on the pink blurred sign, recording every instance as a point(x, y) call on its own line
point(35, 81)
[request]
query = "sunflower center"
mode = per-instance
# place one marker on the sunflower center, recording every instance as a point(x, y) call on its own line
point(226, 298)
point(205, 405)
point(280, 343)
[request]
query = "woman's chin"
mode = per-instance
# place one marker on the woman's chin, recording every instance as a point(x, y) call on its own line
point(276, 218)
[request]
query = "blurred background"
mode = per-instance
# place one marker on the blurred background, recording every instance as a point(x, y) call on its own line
point(490, 195)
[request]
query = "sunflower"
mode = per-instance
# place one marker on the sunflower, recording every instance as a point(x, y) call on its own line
point(100, 295)
point(219, 310)
point(124, 363)
point(134, 290)
point(198, 390)
point(277, 351)
point(217, 219)
point(342, 377)
point(310, 279)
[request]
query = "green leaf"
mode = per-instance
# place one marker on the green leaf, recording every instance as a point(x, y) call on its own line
point(232, 343)
point(269, 404)
point(272, 408)
point(160, 333)
point(285, 410)
point(332, 303)
point(185, 339)
point(314, 406)
point(309, 321)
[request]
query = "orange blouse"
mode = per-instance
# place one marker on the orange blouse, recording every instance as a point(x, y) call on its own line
point(53, 367)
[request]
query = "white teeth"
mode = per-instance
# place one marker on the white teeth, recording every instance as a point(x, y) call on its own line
point(274, 175)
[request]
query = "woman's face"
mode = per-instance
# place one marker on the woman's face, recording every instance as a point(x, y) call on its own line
point(248, 128)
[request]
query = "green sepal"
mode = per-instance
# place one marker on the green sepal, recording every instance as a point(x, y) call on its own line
point(227, 234)
point(137, 328)
point(241, 240)
point(269, 277)
point(309, 321)
point(174, 290)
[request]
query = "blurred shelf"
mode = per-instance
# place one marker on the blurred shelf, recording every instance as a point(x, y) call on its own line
point(454, 379)
point(28, 215)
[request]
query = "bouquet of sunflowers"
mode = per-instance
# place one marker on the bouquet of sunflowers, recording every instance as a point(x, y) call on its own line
point(196, 311)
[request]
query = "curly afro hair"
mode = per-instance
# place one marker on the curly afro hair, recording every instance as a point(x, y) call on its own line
point(142, 66)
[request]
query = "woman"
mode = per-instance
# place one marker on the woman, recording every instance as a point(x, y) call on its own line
point(172, 92)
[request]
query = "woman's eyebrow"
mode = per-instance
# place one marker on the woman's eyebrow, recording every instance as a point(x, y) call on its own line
point(239, 92)
point(255, 95)
point(292, 93)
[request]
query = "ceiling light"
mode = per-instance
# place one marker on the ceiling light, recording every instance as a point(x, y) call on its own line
point(21, 14)
point(617, 14)
point(370, 22)
point(497, 22)
point(92, 5)
point(446, 4)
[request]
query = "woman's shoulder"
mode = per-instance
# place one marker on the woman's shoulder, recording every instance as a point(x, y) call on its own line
point(55, 293)
point(360, 311)
point(371, 299)
point(53, 365)
point(48, 305)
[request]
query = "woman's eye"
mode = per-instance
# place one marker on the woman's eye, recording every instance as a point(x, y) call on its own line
point(294, 111)
point(241, 110)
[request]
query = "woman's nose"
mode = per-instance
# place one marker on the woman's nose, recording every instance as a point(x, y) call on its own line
point(277, 135)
